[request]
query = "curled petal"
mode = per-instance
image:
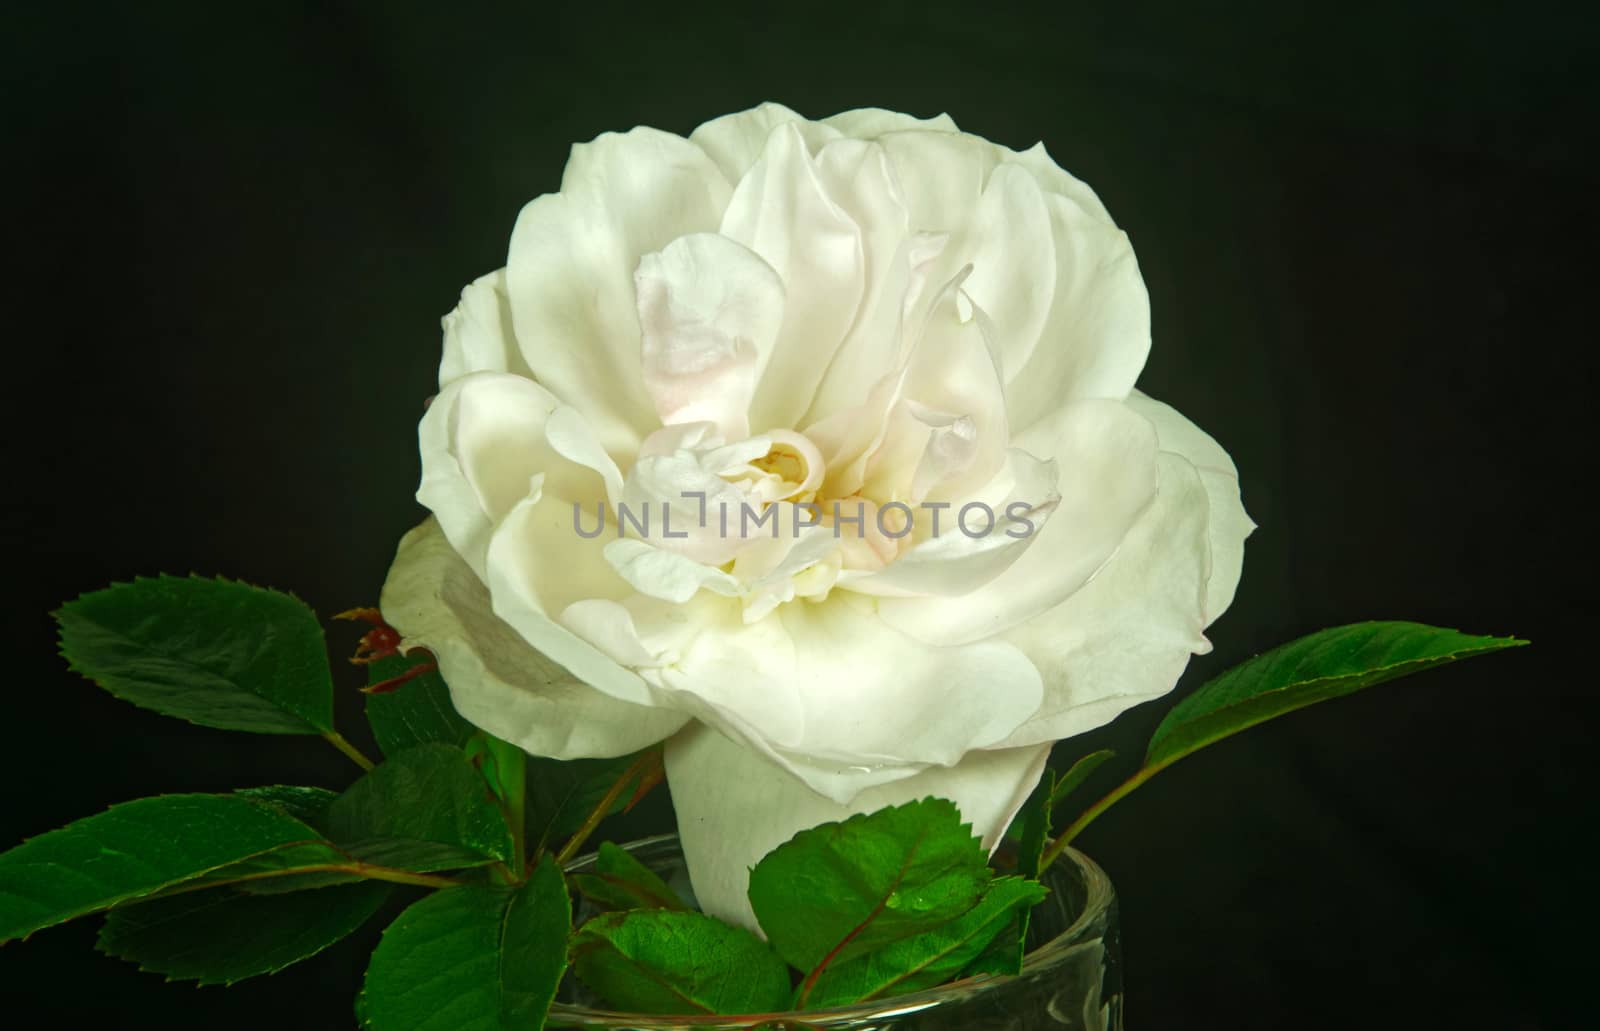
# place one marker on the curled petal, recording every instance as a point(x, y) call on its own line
point(496, 680)
point(570, 436)
point(537, 569)
point(953, 378)
point(477, 334)
point(484, 449)
point(665, 574)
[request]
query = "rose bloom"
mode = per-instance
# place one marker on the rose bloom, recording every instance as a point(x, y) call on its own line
point(872, 314)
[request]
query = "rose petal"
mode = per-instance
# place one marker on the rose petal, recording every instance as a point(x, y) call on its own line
point(537, 567)
point(781, 210)
point(678, 494)
point(736, 141)
point(1229, 525)
point(477, 334)
point(1106, 457)
point(570, 270)
point(859, 179)
point(665, 574)
point(966, 551)
point(1013, 262)
point(497, 682)
point(1053, 178)
point(942, 176)
point(854, 679)
point(569, 435)
point(865, 123)
point(483, 444)
point(734, 807)
point(1127, 635)
point(953, 371)
point(709, 313)
point(1097, 335)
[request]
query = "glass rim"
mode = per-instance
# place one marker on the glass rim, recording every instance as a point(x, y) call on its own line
point(1098, 898)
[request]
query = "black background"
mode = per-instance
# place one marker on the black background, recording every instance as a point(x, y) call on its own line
point(1368, 237)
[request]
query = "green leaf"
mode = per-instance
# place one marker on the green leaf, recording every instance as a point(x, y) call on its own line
point(474, 958)
point(843, 889)
point(665, 961)
point(931, 958)
point(418, 712)
point(426, 805)
point(1075, 777)
point(275, 872)
point(308, 805)
point(1005, 949)
point(317, 864)
point(561, 794)
point(221, 936)
point(286, 869)
point(620, 881)
point(130, 850)
point(213, 652)
point(1323, 665)
point(1035, 817)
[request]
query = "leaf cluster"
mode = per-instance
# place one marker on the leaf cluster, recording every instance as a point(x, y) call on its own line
point(216, 888)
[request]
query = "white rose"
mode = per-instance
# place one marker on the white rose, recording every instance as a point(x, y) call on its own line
point(866, 310)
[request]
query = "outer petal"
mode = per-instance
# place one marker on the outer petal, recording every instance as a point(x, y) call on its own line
point(1126, 637)
point(570, 270)
point(836, 685)
point(734, 807)
point(1054, 178)
point(1229, 525)
point(1097, 334)
point(483, 446)
point(538, 567)
point(496, 680)
point(735, 141)
point(477, 334)
point(1107, 476)
point(866, 123)
point(1013, 262)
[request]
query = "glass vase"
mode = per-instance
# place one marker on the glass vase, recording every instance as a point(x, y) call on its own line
point(1070, 980)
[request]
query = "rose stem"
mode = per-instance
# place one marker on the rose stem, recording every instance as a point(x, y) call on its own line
point(336, 739)
point(638, 768)
point(511, 773)
point(1088, 815)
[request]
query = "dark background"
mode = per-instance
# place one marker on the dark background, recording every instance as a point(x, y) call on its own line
point(1368, 237)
